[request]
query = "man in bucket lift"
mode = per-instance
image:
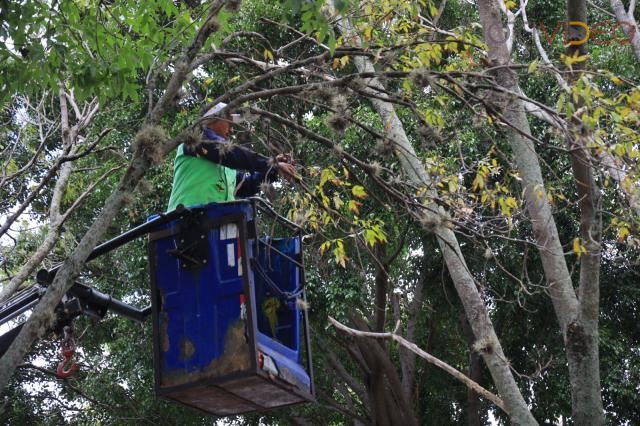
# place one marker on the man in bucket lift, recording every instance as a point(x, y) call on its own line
point(213, 171)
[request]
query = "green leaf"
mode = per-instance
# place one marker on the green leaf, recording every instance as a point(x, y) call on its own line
point(331, 43)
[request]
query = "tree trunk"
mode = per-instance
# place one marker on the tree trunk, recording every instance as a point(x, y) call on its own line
point(475, 374)
point(389, 402)
point(382, 282)
point(580, 336)
point(407, 357)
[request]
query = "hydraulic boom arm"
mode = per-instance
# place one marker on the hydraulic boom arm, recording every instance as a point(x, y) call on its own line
point(80, 299)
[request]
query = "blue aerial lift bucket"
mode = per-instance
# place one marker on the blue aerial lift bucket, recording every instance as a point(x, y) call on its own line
point(230, 335)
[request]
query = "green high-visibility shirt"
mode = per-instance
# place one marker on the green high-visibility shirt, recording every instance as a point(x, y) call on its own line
point(200, 181)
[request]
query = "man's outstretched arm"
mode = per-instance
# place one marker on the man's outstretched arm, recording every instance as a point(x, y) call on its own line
point(248, 184)
point(233, 156)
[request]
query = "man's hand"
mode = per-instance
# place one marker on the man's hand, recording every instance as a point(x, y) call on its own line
point(287, 167)
point(285, 158)
point(287, 171)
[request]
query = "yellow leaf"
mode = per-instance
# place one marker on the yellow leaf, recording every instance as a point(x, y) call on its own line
point(326, 174)
point(337, 202)
point(550, 198)
point(504, 208)
point(406, 85)
point(478, 182)
point(326, 218)
point(353, 206)
point(270, 308)
point(560, 104)
point(578, 248)
point(453, 185)
point(370, 237)
point(570, 60)
point(623, 233)
point(338, 252)
point(324, 247)
point(532, 67)
point(359, 192)
point(367, 32)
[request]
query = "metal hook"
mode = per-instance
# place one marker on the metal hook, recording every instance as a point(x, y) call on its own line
point(66, 367)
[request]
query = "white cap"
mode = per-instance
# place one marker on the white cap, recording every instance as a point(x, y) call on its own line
point(235, 118)
point(215, 109)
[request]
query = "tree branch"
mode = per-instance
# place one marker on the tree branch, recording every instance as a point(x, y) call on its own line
point(428, 357)
point(628, 23)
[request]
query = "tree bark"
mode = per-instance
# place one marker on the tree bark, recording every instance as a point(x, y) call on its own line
point(382, 282)
point(475, 373)
point(582, 334)
point(354, 385)
point(407, 357)
point(390, 404)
